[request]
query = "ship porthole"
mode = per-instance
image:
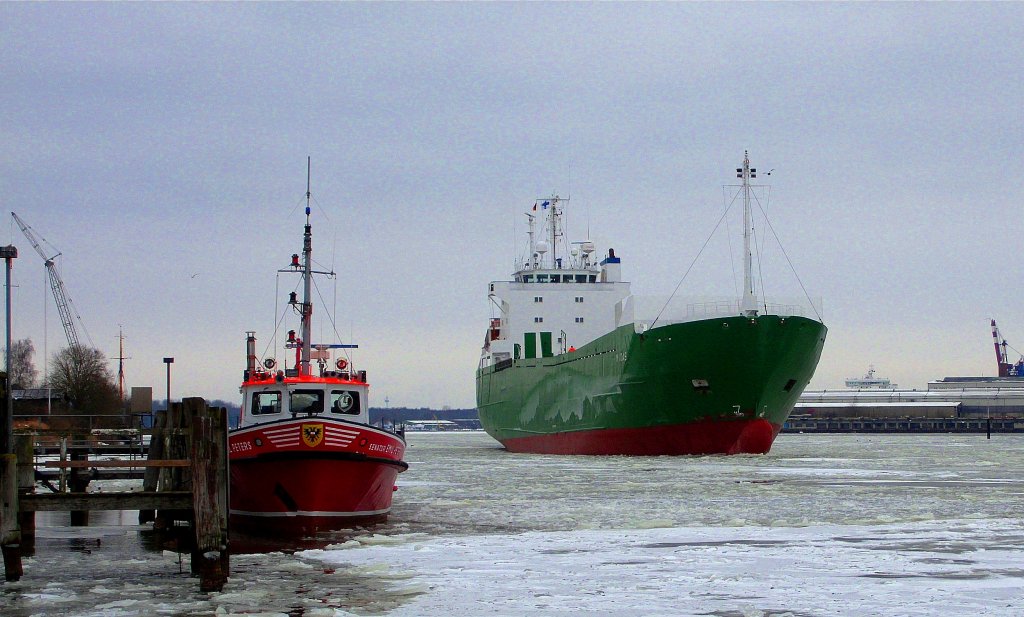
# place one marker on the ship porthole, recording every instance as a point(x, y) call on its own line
point(258, 442)
point(725, 325)
point(362, 442)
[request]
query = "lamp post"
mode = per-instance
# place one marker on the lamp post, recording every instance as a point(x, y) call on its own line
point(168, 362)
point(9, 253)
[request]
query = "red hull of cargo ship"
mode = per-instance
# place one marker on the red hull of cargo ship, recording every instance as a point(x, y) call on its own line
point(704, 437)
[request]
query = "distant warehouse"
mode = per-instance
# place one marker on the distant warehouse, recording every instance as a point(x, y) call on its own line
point(968, 404)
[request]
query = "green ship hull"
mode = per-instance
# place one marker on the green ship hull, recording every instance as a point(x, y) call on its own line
point(715, 386)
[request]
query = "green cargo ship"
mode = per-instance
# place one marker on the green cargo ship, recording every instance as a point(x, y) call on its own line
point(566, 369)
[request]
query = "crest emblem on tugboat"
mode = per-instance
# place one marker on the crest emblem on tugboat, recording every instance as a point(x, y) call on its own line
point(344, 402)
point(312, 434)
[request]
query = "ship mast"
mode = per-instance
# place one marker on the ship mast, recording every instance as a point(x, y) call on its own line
point(748, 304)
point(554, 232)
point(120, 363)
point(303, 346)
point(307, 283)
point(532, 264)
point(552, 227)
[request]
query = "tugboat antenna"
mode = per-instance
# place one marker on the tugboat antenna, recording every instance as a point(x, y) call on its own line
point(307, 283)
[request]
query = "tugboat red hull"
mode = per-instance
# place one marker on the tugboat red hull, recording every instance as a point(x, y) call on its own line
point(304, 476)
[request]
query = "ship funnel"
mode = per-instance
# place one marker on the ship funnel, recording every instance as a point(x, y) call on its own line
point(611, 268)
point(250, 352)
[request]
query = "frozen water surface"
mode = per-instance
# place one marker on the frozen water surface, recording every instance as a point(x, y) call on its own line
point(823, 525)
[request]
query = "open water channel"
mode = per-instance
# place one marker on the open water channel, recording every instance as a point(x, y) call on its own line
point(823, 525)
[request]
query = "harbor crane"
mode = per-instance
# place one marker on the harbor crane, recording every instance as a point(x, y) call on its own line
point(1006, 369)
point(60, 296)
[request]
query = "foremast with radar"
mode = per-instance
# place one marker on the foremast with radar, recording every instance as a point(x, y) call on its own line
point(566, 368)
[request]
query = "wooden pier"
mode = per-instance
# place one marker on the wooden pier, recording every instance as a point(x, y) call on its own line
point(185, 479)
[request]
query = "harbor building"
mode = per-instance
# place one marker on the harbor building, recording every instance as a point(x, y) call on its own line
point(970, 404)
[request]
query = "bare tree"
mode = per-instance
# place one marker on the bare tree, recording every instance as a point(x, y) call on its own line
point(82, 375)
point(23, 371)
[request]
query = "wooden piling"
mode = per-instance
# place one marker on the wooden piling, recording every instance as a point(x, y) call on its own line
point(78, 482)
point(156, 452)
point(10, 534)
point(63, 458)
point(175, 446)
point(24, 446)
point(209, 452)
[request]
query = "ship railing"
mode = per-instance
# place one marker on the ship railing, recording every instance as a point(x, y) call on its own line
point(647, 309)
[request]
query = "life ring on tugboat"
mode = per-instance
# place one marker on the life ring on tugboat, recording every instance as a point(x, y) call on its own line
point(342, 364)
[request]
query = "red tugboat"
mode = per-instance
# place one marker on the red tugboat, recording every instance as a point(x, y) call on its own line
point(304, 457)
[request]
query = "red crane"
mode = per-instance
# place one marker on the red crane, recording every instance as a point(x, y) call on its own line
point(1005, 368)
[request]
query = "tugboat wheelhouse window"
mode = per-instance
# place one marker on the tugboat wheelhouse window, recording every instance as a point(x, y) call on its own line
point(306, 401)
point(266, 403)
point(345, 402)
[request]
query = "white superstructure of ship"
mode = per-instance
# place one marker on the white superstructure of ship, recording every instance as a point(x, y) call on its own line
point(869, 381)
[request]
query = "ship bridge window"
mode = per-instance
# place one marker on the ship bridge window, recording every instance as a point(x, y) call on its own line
point(593, 278)
point(581, 278)
point(266, 403)
point(308, 402)
point(542, 278)
point(556, 278)
point(527, 278)
point(345, 402)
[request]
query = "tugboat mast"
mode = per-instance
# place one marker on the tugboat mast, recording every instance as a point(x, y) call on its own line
point(748, 304)
point(307, 283)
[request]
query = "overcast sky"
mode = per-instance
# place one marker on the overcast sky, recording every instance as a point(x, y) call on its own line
point(162, 149)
